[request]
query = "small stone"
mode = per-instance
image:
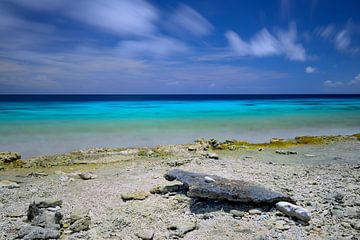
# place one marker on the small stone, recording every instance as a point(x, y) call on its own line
point(192, 149)
point(310, 155)
point(82, 224)
point(212, 155)
point(87, 176)
point(166, 189)
point(339, 197)
point(134, 196)
point(255, 211)
point(345, 224)
point(294, 211)
point(237, 213)
point(8, 184)
point(209, 179)
point(355, 224)
point(146, 234)
point(260, 149)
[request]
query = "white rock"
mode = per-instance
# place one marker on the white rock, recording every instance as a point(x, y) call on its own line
point(209, 179)
point(293, 210)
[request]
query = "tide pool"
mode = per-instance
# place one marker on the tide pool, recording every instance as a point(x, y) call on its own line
point(35, 126)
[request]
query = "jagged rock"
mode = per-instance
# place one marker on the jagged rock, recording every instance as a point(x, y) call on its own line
point(83, 224)
point(44, 224)
point(8, 157)
point(87, 176)
point(294, 211)
point(134, 196)
point(36, 232)
point(8, 184)
point(224, 189)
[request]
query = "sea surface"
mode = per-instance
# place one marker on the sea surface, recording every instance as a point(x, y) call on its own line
point(45, 124)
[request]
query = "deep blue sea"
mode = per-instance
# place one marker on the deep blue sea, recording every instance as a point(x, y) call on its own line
point(43, 124)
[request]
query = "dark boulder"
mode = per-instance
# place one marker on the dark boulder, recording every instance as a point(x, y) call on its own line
point(225, 189)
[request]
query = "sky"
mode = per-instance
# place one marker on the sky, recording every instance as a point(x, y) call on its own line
point(179, 47)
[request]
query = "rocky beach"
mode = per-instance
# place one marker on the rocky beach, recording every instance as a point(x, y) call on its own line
point(116, 193)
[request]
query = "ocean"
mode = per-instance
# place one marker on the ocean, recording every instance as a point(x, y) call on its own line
point(47, 124)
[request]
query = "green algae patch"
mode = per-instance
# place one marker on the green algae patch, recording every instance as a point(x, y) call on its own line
point(283, 143)
point(357, 135)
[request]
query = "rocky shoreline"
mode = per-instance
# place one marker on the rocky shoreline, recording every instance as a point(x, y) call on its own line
point(115, 193)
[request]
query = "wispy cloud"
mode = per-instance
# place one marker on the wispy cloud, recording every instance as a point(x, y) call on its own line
point(310, 69)
point(341, 37)
point(186, 18)
point(263, 43)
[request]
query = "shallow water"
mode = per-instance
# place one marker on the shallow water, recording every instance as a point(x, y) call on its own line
point(36, 126)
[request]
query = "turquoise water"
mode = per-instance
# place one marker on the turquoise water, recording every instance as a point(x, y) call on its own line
point(42, 127)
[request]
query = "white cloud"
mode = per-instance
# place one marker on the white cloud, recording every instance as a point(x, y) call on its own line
point(190, 20)
point(332, 84)
point(264, 44)
point(310, 69)
point(124, 18)
point(355, 81)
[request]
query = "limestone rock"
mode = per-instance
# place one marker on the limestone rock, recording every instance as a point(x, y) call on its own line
point(36, 232)
point(224, 189)
point(8, 184)
point(294, 211)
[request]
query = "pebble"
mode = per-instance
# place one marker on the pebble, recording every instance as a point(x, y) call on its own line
point(87, 176)
point(146, 234)
point(255, 211)
point(237, 213)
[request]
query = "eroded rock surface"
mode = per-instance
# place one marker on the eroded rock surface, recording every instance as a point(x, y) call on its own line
point(224, 189)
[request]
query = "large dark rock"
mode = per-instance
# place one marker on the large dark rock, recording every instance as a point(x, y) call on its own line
point(224, 189)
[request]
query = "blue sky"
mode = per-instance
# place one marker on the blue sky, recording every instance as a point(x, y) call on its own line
point(136, 46)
